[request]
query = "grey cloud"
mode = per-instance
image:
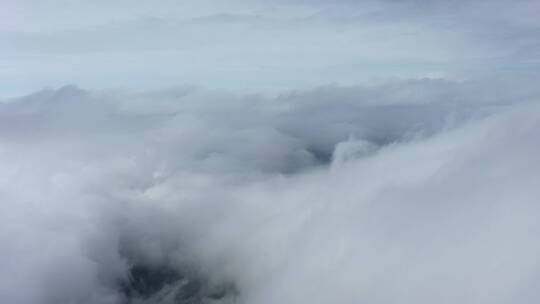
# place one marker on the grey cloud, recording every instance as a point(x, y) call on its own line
point(302, 134)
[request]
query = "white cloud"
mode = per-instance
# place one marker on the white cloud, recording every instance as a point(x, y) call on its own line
point(305, 151)
point(238, 189)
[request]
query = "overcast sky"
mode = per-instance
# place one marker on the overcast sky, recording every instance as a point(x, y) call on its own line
point(260, 45)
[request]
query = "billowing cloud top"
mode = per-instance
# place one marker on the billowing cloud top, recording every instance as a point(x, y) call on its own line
point(415, 191)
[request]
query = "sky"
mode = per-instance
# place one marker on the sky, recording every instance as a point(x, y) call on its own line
point(262, 152)
point(254, 46)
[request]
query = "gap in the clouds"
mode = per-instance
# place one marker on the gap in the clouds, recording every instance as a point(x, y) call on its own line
point(157, 284)
point(165, 283)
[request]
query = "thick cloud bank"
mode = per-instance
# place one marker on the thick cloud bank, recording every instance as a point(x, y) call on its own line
point(419, 191)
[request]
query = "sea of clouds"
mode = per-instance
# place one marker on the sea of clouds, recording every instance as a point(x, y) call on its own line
point(408, 191)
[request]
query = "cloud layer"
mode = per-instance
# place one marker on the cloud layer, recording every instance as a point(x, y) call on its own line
point(414, 191)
